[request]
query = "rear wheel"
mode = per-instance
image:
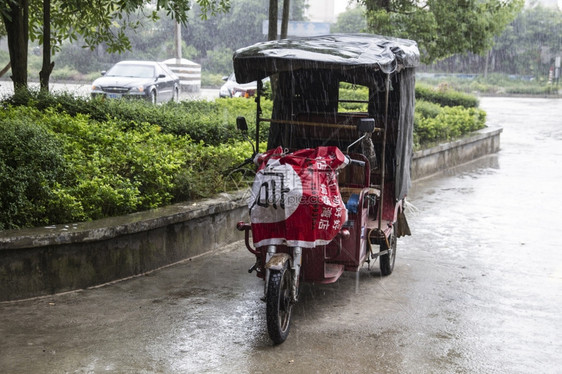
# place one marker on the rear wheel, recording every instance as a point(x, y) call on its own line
point(279, 304)
point(387, 260)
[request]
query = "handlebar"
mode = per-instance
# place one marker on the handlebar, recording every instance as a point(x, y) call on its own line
point(356, 162)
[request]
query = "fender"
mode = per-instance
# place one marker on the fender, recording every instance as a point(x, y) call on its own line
point(278, 260)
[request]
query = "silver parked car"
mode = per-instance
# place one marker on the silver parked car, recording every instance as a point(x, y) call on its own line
point(231, 88)
point(149, 80)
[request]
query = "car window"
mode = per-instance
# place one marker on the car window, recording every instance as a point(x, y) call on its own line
point(131, 70)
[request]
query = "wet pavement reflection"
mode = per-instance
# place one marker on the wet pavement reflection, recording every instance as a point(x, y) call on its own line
point(477, 288)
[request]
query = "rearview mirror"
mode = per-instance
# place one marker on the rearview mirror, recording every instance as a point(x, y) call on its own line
point(241, 124)
point(366, 125)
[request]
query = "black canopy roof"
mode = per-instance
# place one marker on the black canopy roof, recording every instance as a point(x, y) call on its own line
point(335, 51)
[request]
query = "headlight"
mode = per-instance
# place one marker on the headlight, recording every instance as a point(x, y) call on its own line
point(137, 89)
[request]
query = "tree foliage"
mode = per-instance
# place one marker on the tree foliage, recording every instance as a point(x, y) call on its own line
point(239, 27)
point(351, 21)
point(526, 48)
point(102, 21)
point(527, 43)
point(442, 28)
point(210, 42)
point(106, 21)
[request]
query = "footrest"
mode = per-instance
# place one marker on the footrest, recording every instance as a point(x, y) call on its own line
point(332, 272)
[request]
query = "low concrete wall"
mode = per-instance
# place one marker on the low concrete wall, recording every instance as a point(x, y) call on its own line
point(444, 156)
point(43, 261)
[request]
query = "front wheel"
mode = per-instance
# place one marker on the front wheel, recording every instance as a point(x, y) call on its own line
point(387, 260)
point(279, 304)
point(152, 97)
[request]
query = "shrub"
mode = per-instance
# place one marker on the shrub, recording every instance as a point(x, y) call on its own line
point(428, 109)
point(532, 90)
point(211, 79)
point(206, 172)
point(445, 96)
point(219, 61)
point(65, 73)
point(66, 159)
point(115, 171)
point(31, 164)
point(58, 168)
point(449, 123)
point(348, 91)
point(210, 121)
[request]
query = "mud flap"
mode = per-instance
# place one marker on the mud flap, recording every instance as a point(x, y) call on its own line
point(277, 261)
point(402, 227)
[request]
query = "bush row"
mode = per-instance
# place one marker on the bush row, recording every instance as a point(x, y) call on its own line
point(434, 123)
point(210, 121)
point(66, 159)
point(56, 167)
point(440, 114)
point(493, 84)
point(441, 94)
point(445, 96)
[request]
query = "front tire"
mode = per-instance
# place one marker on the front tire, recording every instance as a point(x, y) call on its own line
point(152, 98)
point(279, 306)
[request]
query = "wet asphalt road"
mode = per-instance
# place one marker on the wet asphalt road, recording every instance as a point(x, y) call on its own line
point(476, 289)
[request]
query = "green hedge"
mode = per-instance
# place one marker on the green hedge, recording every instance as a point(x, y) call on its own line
point(444, 96)
point(210, 121)
point(349, 91)
point(66, 159)
point(32, 164)
point(441, 114)
point(56, 167)
point(532, 90)
point(493, 83)
point(433, 123)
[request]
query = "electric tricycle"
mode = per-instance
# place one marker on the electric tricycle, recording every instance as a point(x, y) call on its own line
point(329, 192)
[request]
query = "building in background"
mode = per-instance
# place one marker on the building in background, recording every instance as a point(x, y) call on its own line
point(321, 11)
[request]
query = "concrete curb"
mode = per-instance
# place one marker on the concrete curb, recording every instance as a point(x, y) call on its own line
point(109, 228)
point(436, 159)
point(43, 261)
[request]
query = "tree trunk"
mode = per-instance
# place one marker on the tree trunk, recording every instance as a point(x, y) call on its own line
point(273, 10)
point(285, 19)
point(48, 66)
point(16, 21)
point(486, 64)
point(178, 43)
